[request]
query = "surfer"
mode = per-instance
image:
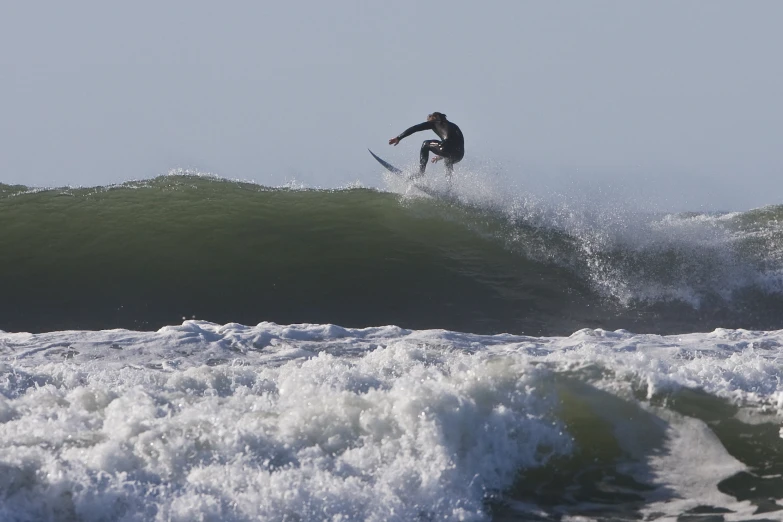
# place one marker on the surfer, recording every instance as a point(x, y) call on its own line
point(451, 148)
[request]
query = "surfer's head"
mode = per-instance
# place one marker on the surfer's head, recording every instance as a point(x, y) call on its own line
point(436, 116)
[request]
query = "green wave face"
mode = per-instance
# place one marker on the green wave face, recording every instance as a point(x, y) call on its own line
point(145, 254)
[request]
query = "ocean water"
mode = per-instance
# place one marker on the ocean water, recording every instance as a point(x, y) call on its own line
point(194, 348)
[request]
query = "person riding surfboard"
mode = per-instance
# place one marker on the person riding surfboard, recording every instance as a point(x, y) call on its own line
point(451, 147)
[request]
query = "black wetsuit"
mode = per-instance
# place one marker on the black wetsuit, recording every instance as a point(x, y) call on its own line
point(451, 148)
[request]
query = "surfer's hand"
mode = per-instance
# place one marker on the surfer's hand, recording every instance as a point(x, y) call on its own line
point(394, 141)
point(435, 159)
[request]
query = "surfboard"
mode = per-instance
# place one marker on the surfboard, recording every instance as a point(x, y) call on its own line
point(394, 170)
point(389, 166)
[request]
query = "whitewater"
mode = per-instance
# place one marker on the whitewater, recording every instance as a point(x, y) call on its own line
point(193, 348)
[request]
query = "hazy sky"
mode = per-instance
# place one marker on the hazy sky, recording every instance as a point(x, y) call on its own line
point(681, 98)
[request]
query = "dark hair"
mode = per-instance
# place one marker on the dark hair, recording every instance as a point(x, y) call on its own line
point(438, 116)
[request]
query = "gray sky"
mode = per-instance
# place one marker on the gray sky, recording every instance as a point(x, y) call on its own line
point(681, 100)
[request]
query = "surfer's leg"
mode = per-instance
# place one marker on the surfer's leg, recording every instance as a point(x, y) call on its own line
point(424, 154)
point(449, 168)
point(451, 156)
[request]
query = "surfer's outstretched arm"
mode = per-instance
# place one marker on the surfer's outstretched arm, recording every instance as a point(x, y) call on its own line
point(427, 125)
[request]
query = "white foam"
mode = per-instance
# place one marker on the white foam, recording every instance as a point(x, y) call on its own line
point(692, 465)
point(319, 421)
